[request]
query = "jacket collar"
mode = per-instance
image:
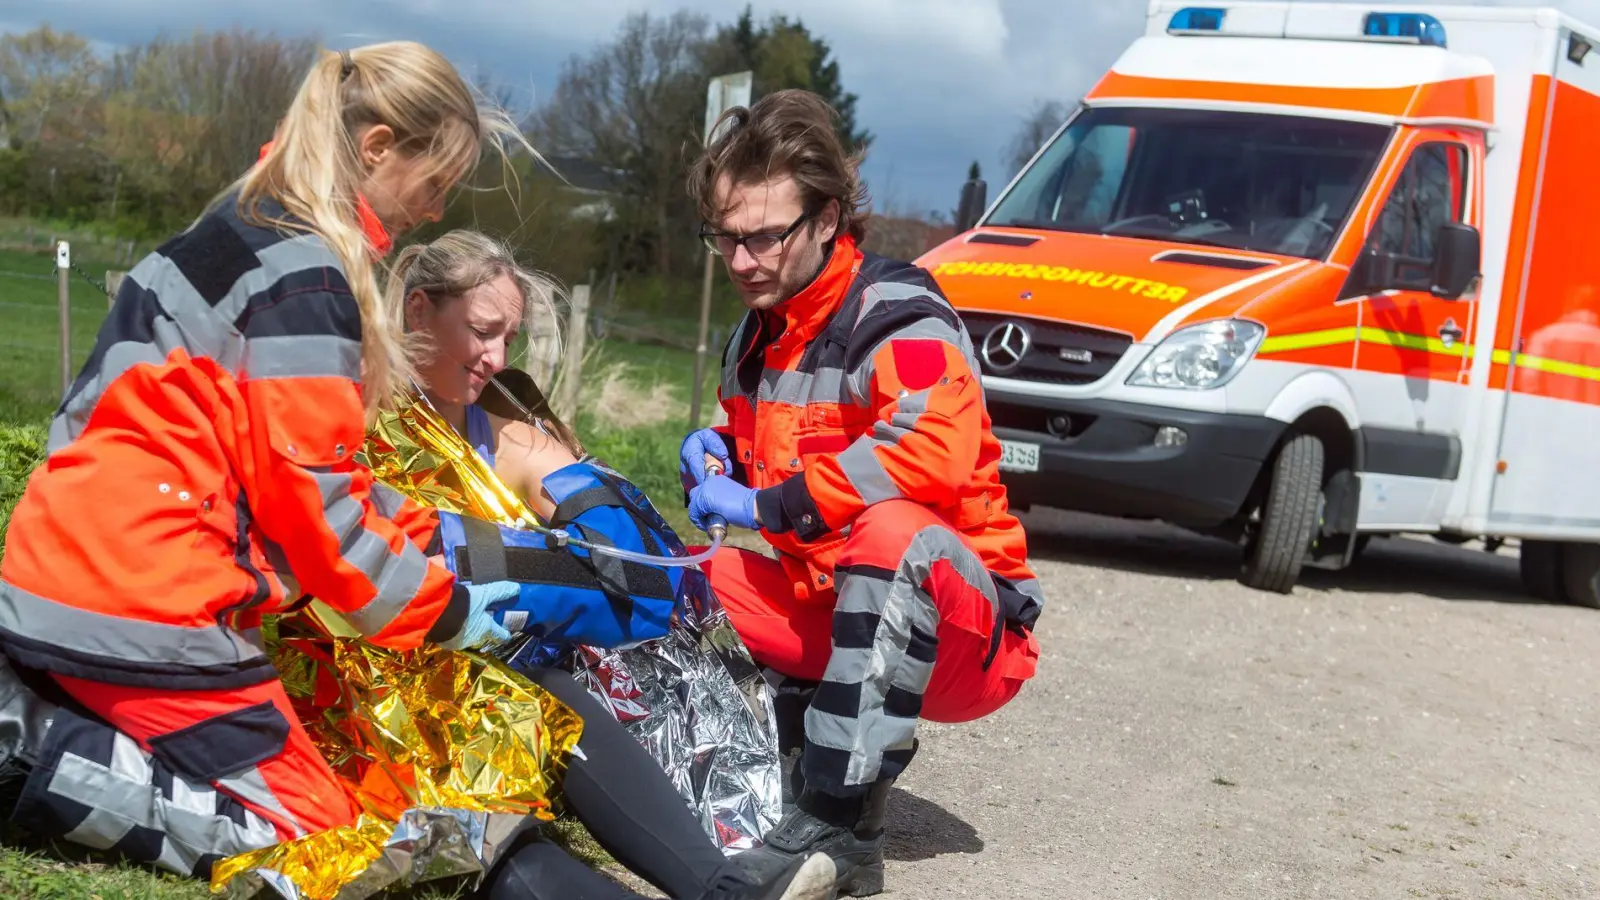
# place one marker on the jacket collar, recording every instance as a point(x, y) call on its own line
point(808, 312)
point(377, 236)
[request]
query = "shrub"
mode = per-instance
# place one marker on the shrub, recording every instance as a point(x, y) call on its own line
point(21, 451)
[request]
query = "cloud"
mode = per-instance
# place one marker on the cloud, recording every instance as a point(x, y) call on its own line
point(941, 82)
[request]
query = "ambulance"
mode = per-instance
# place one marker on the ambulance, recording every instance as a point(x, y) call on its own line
point(1299, 274)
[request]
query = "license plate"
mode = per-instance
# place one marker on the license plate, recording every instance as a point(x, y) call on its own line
point(1019, 457)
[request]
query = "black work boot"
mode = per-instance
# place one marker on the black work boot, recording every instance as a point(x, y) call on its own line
point(848, 830)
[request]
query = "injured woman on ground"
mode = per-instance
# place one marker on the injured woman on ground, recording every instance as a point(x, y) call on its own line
point(465, 301)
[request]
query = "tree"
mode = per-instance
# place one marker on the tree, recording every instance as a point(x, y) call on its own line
point(49, 79)
point(973, 172)
point(782, 54)
point(1037, 127)
point(144, 138)
point(634, 106)
point(187, 117)
point(51, 82)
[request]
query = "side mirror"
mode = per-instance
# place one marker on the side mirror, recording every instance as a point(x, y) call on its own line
point(1456, 260)
point(974, 198)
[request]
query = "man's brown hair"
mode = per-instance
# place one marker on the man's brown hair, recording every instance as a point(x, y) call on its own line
point(790, 133)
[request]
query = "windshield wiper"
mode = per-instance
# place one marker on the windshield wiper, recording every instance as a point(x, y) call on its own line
point(1174, 237)
point(1044, 225)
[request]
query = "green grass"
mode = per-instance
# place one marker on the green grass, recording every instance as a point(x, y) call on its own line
point(30, 359)
point(34, 875)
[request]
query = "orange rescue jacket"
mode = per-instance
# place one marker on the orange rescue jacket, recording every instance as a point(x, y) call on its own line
point(213, 425)
point(863, 388)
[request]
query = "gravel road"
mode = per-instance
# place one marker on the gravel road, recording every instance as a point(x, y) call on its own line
point(1411, 727)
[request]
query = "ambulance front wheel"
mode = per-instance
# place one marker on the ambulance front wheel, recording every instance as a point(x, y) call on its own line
point(1561, 572)
point(1277, 549)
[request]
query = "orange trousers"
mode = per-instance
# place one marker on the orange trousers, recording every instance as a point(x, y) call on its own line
point(904, 635)
point(246, 742)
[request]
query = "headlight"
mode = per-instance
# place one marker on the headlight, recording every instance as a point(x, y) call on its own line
point(1200, 356)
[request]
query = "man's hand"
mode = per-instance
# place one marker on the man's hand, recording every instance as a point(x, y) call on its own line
point(722, 496)
point(697, 448)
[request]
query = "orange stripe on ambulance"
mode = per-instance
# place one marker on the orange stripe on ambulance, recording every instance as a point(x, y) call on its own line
point(1145, 287)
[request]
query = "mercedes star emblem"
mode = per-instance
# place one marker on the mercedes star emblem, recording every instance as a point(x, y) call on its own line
point(1004, 348)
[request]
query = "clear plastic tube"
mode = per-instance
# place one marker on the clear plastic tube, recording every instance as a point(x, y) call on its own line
point(718, 526)
point(645, 558)
point(718, 531)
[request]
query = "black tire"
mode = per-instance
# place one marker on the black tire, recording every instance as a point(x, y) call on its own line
point(1580, 574)
point(1543, 573)
point(1288, 518)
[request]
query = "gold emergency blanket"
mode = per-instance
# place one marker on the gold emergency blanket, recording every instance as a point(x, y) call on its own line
point(447, 753)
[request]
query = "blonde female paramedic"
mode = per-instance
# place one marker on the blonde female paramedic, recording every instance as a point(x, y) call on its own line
point(216, 417)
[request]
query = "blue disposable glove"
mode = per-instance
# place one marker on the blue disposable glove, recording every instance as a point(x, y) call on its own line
point(480, 628)
point(692, 456)
point(722, 496)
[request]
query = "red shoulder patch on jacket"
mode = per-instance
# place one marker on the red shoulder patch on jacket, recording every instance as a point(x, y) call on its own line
point(918, 363)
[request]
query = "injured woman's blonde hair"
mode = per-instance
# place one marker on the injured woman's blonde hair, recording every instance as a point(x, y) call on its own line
point(448, 267)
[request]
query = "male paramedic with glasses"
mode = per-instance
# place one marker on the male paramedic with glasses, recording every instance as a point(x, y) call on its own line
point(858, 444)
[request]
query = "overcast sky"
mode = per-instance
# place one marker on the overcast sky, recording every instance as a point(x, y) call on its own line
point(941, 82)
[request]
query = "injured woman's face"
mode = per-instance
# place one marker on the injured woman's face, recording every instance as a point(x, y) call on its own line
point(468, 337)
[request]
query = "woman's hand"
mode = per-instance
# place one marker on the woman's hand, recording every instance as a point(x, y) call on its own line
point(480, 629)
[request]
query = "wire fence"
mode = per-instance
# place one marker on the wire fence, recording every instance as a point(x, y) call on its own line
point(41, 300)
point(35, 362)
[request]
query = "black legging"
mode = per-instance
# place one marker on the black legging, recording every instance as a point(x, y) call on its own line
point(621, 795)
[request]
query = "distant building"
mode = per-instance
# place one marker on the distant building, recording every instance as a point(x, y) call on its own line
point(593, 185)
point(901, 237)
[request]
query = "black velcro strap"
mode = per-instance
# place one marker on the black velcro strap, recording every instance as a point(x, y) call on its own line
point(561, 567)
point(612, 576)
point(641, 518)
point(575, 505)
point(485, 549)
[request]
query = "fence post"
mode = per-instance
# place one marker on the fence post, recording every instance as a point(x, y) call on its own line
point(64, 304)
point(113, 284)
point(700, 345)
point(566, 401)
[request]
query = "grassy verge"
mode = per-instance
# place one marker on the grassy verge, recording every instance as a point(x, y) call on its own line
point(52, 875)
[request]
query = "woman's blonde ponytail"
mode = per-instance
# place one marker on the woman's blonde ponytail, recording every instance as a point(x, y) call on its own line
point(314, 171)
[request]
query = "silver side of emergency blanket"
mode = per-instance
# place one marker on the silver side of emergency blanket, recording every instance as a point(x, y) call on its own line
point(24, 721)
point(427, 845)
point(702, 708)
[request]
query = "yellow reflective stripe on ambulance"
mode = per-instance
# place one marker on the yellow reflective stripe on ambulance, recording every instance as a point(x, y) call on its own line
point(1285, 343)
point(1334, 336)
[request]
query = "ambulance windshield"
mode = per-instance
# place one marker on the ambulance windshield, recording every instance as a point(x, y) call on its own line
point(1269, 183)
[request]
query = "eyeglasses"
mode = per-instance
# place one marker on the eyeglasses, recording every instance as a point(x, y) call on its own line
point(757, 244)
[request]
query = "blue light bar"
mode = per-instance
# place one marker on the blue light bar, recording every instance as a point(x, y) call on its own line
point(1197, 18)
point(1420, 27)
